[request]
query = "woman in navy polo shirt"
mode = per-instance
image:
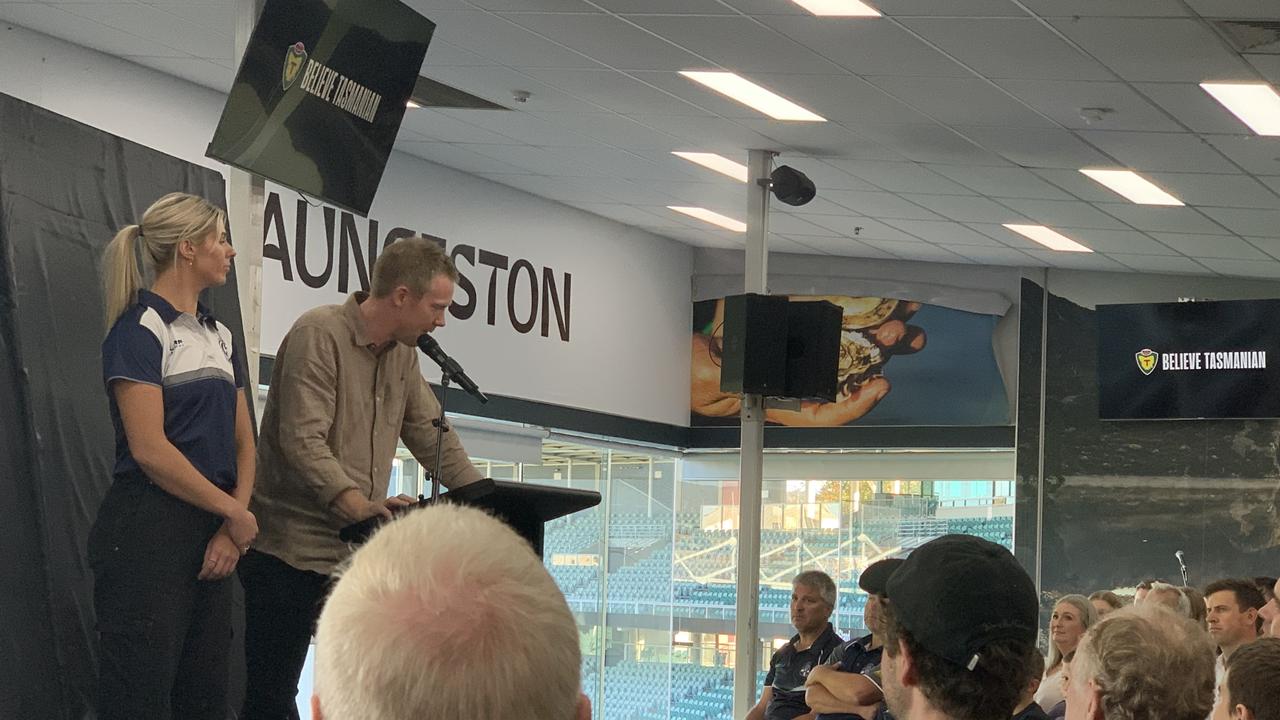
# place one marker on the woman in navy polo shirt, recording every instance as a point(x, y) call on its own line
point(175, 520)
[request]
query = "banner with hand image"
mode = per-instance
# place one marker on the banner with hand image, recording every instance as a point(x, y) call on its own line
point(901, 363)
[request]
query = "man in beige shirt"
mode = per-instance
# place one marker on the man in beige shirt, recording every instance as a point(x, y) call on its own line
point(345, 387)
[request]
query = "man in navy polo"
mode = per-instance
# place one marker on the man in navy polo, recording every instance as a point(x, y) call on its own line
point(813, 597)
point(848, 686)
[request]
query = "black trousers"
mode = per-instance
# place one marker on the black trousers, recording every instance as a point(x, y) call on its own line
point(164, 637)
point(281, 607)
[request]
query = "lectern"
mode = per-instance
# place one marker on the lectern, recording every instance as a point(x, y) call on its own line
point(525, 507)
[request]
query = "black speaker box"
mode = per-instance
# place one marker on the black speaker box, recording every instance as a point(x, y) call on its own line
point(813, 350)
point(754, 358)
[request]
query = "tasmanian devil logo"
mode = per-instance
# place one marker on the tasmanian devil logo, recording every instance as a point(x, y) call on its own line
point(1146, 359)
point(294, 59)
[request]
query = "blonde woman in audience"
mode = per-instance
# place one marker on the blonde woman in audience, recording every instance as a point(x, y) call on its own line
point(1199, 611)
point(1072, 616)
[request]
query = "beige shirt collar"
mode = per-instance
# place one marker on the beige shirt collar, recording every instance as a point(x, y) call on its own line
point(351, 312)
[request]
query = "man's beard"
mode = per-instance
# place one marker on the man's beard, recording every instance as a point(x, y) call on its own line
point(897, 697)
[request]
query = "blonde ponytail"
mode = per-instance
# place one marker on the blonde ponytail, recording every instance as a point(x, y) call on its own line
point(121, 276)
point(170, 220)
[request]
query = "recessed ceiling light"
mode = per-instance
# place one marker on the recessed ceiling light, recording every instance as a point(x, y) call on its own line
point(714, 218)
point(1051, 239)
point(1256, 104)
point(752, 95)
point(1133, 186)
point(412, 104)
point(838, 8)
point(719, 163)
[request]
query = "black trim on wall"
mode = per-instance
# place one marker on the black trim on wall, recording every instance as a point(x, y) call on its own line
point(558, 417)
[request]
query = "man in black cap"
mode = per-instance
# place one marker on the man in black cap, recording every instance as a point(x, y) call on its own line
point(850, 682)
point(959, 625)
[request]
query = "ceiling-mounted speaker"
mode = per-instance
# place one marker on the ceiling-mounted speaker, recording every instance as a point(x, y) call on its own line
point(792, 186)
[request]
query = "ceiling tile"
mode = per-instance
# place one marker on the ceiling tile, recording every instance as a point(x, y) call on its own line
point(441, 127)
point(1247, 9)
point(705, 133)
point(966, 209)
point(616, 130)
point(842, 246)
point(785, 244)
point(1158, 50)
point(497, 83)
point(899, 177)
point(1078, 260)
point(1001, 182)
point(1161, 264)
point(942, 233)
point(1241, 191)
point(784, 223)
point(60, 23)
point(1152, 218)
point(503, 42)
point(1077, 184)
point(1243, 268)
point(825, 176)
point(919, 251)
point(1269, 244)
point(809, 139)
point(1015, 48)
point(555, 162)
point(1257, 155)
point(734, 43)
point(1268, 65)
point(210, 42)
point(674, 7)
point(1175, 152)
point(840, 97)
point(951, 8)
point(878, 204)
point(615, 91)
point(1058, 215)
point(1246, 222)
point(632, 215)
point(610, 40)
point(961, 101)
point(1192, 107)
point(460, 158)
point(863, 228)
point(520, 127)
point(1036, 148)
point(1066, 102)
point(1117, 241)
point(866, 47)
point(1211, 246)
point(1092, 8)
point(929, 143)
point(998, 256)
point(199, 71)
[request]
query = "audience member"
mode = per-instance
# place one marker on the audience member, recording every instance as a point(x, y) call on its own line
point(1251, 688)
point(1072, 616)
point(1171, 597)
point(1141, 663)
point(1270, 611)
point(1274, 629)
point(1144, 587)
point(851, 678)
point(1233, 605)
point(1105, 602)
point(959, 624)
point(447, 613)
point(813, 597)
point(1028, 708)
point(1199, 613)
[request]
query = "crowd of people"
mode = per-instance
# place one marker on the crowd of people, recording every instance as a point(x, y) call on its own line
point(953, 635)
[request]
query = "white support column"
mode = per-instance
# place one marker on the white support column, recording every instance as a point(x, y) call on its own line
point(750, 481)
point(246, 198)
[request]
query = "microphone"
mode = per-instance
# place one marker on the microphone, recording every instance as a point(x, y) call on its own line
point(1182, 565)
point(1181, 559)
point(451, 368)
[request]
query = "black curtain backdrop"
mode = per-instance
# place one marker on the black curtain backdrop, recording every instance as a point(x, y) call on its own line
point(65, 188)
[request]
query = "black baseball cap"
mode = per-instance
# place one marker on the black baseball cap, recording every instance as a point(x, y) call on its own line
point(874, 578)
point(958, 593)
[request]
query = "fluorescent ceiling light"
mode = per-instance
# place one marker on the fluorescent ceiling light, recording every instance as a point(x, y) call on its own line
point(1051, 239)
point(1256, 104)
point(1133, 186)
point(752, 95)
point(412, 104)
point(838, 8)
point(714, 218)
point(719, 163)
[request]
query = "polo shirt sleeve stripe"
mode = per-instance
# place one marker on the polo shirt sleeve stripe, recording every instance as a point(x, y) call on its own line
point(198, 374)
point(134, 349)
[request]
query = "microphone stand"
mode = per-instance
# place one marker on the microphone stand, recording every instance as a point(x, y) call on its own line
point(1183, 567)
point(441, 429)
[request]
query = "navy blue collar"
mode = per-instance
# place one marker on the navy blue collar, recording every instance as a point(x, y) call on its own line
point(168, 313)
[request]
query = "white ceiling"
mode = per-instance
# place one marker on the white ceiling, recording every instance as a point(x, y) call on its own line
point(946, 117)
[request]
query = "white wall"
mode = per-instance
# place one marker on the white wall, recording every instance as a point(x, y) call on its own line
point(628, 352)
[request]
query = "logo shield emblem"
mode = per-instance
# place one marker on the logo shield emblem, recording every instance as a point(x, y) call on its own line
point(294, 59)
point(1146, 360)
